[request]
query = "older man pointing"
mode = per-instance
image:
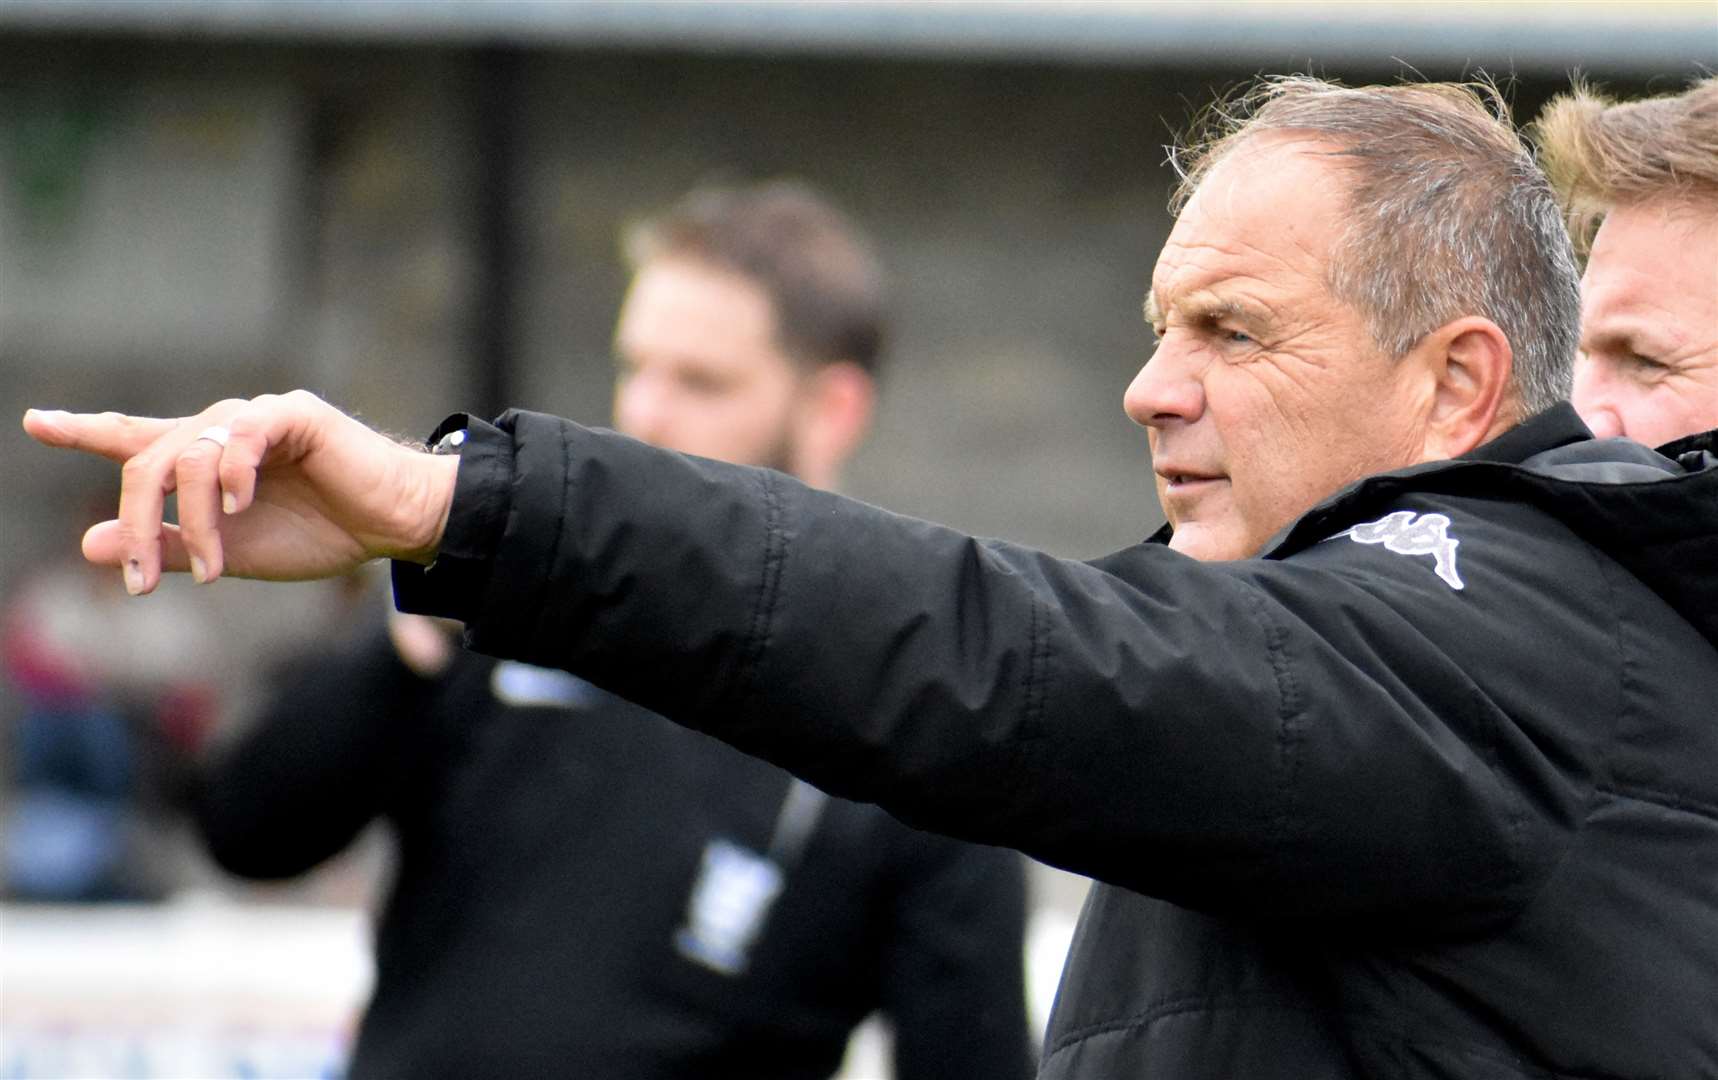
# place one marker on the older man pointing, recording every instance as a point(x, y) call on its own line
point(1395, 760)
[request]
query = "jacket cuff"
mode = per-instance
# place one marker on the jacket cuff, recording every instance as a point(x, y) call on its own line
point(452, 585)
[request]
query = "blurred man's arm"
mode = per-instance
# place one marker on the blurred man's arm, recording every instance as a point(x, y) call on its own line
point(339, 733)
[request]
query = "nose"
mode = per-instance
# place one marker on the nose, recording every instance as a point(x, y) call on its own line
point(1167, 390)
point(641, 407)
point(1595, 397)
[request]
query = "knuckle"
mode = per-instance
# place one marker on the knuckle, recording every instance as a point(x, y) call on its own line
point(196, 478)
point(199, 458)
point(131, 534)
point(137, 469)
point(234, 478)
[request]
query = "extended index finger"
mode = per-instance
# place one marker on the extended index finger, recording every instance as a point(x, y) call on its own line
point(114, 436)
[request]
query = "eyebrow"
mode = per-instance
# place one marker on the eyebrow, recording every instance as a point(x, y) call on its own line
point(1203, 308)
point(1641, 337)
point(1152, 315)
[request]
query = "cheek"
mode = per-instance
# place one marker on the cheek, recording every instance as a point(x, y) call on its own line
point(1282, 464)
point(1271, 492)
point(726, 423)
point(1639, 404)
point(1589, 376)
point(1274, 409)
point(749, 425)
point(1291, 436)
point(1658, 415)
point(1703, 400)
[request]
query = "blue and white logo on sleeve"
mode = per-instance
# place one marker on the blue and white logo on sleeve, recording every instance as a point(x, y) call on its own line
point(730, 902)
point(1407, 533)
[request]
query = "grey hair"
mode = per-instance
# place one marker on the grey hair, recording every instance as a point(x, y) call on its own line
point(1447, 214)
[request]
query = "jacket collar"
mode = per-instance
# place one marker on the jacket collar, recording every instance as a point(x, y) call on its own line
point(1555, 427)
point(1534, 440)
point(1655, 516)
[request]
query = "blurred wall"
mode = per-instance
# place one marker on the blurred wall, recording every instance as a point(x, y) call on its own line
point(183, 220)
point(411, 230)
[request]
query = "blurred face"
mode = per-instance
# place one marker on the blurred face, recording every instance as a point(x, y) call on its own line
point(699, 367)
point(1265, 393)
point(1648, 367)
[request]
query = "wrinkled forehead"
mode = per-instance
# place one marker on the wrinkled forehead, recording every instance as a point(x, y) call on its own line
point(1305, 160)
point(1274, 205)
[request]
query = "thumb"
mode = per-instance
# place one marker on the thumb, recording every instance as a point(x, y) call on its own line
point(104, 545)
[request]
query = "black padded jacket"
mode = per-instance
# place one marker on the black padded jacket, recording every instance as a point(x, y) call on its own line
point(1429, 789)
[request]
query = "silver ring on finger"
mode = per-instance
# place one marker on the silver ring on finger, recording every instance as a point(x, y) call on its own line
point(216, 434)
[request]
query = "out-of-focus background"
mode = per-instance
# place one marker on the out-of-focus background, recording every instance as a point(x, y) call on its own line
point(411, 207)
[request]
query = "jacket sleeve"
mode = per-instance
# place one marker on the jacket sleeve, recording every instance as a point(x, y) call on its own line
point(1276, 740)
point(954, 975)
point(320, 761)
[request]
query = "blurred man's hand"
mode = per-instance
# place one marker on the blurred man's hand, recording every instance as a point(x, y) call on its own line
point(424, 644)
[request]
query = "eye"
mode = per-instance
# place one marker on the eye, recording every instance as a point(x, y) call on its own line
point(1237, 337)
point(702, 383)
point(1638, 367)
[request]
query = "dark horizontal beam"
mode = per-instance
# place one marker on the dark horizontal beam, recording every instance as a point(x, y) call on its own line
point(1670, 38)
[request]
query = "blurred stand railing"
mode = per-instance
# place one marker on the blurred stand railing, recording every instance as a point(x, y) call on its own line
point(195, 988)
point(204, 987)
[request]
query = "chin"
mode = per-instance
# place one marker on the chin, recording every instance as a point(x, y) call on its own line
point(1207, 543)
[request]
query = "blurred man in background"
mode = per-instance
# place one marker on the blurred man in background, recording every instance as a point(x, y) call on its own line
point(585, 889)
point(1640, 181)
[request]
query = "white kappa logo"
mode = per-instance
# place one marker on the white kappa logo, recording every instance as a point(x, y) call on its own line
point(1407, 533)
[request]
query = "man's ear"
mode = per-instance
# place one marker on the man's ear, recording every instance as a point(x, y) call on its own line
point(831, 419)
point(1469, 362)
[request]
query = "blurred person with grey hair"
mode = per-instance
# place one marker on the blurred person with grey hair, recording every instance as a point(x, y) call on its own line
point(1391, 753)
point(1640, 182)
point(585, 889)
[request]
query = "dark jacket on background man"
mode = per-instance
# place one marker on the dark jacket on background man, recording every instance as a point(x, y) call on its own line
point(1430, 789)
point(545, 918)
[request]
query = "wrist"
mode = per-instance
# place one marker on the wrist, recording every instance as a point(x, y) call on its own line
point(440, 475)
point(445, 572)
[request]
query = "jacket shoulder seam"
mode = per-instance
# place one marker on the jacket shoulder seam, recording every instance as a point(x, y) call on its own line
point(769, 585)
point(1037, 656)
point(1034, 689)
point(1628, 673)
point(555, 548)
point(1290, 708)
